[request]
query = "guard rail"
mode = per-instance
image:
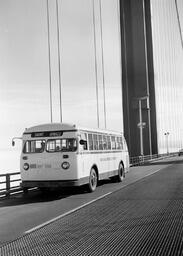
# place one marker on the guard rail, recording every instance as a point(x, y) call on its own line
point(10, 182)
point(138, 160)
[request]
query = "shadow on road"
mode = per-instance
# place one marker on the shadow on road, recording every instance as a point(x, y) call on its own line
point(38, 196)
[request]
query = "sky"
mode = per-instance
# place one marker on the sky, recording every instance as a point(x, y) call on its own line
point(24, 67)
point(168, 70)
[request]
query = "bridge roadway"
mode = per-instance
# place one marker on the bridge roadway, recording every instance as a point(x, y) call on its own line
point(141, 216)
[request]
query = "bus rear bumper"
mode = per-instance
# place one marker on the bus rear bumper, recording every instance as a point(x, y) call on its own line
point(54, 184)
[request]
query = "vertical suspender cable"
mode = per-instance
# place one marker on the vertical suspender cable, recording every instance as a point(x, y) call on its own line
point(179, 24)
point(123, 22)
point(147, 77)
point(103, 72)
point(49, 61)
point(120, 42)
point(145, 46)
point(59, 70)
point(180, 30)
point(95, 56)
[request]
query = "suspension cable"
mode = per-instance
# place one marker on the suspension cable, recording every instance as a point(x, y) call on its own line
point(49, 62)
point(179, 24)
point(103, 71)
point(59, 63)
point(95, 54)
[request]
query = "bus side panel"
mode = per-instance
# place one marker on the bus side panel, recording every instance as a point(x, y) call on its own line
point(88, 160)
point(106, 163)
point(85, 162)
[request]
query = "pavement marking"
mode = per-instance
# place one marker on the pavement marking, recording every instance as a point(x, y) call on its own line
point(83, 205)
point(157, 170)
point(66, 213)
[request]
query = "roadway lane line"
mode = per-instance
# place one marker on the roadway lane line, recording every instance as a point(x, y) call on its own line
point(65, 214)
point(157, 170)
point(154, 172)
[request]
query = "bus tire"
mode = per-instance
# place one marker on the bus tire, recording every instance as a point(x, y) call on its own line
point(121, 173)
point(93, 179)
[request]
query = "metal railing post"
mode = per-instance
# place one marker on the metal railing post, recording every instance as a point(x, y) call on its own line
point(7, 184)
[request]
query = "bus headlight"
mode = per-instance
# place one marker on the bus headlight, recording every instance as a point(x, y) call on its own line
point(65, 165)
point(26, 166)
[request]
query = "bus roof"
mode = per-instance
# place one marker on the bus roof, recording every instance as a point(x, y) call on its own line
point(50, 127)
point(65, 127)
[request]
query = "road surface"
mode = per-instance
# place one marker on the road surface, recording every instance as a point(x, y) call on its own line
point(140, 216)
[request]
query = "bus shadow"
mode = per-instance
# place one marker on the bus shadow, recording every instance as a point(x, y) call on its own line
point(37, 196)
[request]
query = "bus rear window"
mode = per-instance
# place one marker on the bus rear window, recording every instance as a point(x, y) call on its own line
point(34, 146)
point(58, 145)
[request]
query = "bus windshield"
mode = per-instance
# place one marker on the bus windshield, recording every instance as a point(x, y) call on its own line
point(34, 146)
point(57, 145)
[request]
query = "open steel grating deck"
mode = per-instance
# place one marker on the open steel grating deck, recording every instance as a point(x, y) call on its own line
point(144, 218)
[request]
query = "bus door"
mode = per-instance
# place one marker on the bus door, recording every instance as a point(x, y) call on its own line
point(83, 147)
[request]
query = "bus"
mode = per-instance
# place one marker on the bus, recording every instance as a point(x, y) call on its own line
point(62, 155)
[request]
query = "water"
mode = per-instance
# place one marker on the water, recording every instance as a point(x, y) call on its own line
point(9, 161)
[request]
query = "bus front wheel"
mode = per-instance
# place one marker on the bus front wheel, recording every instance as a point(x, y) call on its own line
point(92, 180)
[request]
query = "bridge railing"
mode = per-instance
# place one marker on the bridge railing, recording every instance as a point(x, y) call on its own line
point(10, 182)
point(139, 160)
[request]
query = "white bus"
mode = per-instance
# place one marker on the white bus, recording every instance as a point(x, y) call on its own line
point(62, 155)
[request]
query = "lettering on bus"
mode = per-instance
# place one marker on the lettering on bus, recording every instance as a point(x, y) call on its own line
point(47, 134)
point(108, 158)
point(40, 166)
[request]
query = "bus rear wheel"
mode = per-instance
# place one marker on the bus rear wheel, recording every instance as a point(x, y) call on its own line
point(121, 173)
point(93, 179)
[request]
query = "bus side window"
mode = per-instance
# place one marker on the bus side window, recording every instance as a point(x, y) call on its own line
point(100, 142)
point(90, 141)
point(108, 142)
point(121, 142)
point(84, 138)
point(95, 141)
point(118, 143)
point(104, 142)
point(113, 142)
